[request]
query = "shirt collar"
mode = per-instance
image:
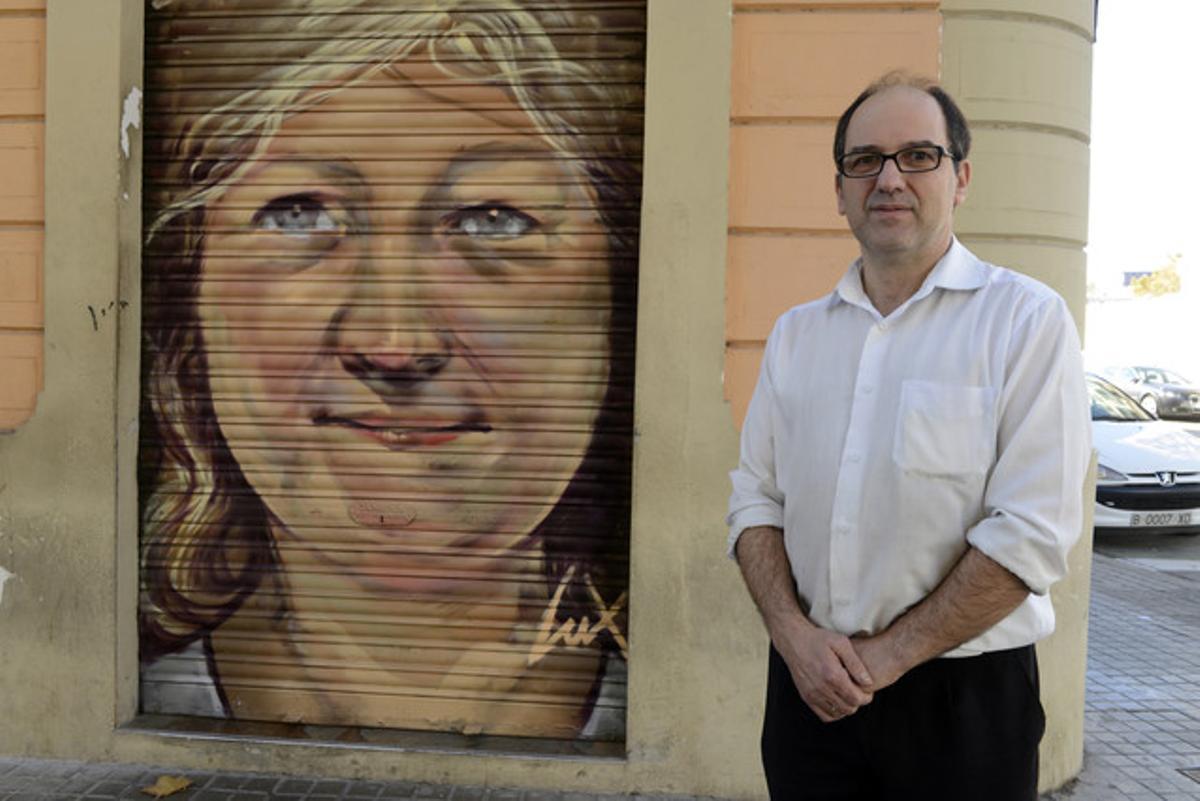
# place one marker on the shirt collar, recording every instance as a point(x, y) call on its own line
point(958, 269)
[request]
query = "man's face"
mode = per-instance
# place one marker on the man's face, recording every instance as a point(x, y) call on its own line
point(895, 215)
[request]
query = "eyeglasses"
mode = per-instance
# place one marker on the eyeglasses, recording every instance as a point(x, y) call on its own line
point(923, 158)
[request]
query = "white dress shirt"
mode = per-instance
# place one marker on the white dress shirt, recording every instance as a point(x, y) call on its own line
point(883, 446)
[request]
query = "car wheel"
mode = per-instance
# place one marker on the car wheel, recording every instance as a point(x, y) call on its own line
point(1150, 404)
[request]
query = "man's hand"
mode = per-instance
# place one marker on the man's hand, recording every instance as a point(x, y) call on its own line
point(879, 656)
point(827, 672)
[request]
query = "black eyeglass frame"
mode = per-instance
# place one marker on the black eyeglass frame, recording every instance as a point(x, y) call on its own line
point(884, 158)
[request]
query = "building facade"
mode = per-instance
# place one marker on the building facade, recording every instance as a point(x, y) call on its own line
point(238, 529)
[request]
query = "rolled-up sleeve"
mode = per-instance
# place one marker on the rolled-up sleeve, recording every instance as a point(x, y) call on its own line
point(756, 499)
point(1033, 503)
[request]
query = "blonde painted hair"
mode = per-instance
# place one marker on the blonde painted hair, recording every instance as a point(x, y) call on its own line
point(206, 542)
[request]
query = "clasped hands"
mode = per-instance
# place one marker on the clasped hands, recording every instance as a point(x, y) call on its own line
point(835, 674)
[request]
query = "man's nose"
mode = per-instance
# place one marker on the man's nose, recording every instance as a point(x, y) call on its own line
point(890, 177)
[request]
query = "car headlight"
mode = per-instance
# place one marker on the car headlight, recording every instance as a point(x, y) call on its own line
point(1104, 473)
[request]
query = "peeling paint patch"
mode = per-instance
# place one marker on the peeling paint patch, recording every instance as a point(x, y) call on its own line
point(131, 116)
point(4, 577)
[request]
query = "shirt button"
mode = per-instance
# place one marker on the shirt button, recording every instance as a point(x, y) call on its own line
point(843, 528)
point(853, 458)
point(868, 389)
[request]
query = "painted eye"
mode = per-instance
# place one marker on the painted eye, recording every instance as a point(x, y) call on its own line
point(490, 221)
point(296, 215)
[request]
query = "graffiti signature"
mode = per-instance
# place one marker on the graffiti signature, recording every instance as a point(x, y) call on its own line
point(577, 632)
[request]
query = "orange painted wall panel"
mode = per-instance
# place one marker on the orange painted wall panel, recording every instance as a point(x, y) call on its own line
point(21, 279)
point(813, 64)
point(796, 65)
point(782, 177)
point(21, 166)
point(21, 366)
point(741, 372)
point(21, 58)
point(22, 201)
point(768, 275)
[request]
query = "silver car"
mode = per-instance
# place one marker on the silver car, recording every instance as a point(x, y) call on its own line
point(1161, 392)
point(1148, 477)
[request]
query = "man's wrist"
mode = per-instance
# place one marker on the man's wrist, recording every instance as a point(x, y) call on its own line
point(789, 625)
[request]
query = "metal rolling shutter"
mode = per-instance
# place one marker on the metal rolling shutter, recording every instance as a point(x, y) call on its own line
point(389, 276)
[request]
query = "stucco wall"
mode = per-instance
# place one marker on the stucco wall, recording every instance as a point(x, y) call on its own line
point(68, 529)
point(22, 127)
point(68, 492)
point(1022, 71)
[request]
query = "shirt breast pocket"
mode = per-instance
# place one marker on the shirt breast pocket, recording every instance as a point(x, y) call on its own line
point(945, 430)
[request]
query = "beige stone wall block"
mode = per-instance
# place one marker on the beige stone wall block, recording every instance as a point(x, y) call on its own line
point(1062, 658)
point(21, 366)
point(1062, 267)
point(1019, 72)
point(1076, 13)
point(741, 373)
point(20, 279)
point(21, 192)
point(1027, 184)
point(770, 274)
point(781, 176)
point(814, 64)
point(22, 66)
point(825, 5)
point(22, 5)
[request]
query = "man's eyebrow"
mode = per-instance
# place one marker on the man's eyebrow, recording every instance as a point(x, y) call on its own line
point(908, 144)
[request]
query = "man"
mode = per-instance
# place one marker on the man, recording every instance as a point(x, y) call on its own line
point(910, 483)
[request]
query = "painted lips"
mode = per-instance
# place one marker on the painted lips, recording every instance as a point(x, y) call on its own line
point(401, 437)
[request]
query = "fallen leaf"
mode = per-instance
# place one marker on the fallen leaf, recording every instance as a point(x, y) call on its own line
point(167, 785)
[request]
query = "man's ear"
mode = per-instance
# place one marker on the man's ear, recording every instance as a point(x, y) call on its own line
point(962, 177)
point(837, 190)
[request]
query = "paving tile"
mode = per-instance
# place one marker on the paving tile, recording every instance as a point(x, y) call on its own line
point(257, 784)
point(504, 794)
point(469, 794)
point(212, 795)
point(294, 787)
point(107, 789)
point(330, 787)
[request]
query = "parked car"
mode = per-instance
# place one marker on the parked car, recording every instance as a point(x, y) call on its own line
point(1161, 392)
point(1149, 471)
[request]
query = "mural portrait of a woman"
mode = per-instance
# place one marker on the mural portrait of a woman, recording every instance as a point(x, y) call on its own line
point(388, 286)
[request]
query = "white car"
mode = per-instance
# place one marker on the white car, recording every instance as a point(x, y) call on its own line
point(1149, 472)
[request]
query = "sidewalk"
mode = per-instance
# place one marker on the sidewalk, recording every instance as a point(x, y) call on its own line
point(1142, 720)
point(1142, 713)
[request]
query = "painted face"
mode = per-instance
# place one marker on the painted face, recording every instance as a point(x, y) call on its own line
point(895, 214)
point(406, 306)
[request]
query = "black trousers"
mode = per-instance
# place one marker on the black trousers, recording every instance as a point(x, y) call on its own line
point(948, 730)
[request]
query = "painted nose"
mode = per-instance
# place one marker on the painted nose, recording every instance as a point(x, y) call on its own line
point(395, 357)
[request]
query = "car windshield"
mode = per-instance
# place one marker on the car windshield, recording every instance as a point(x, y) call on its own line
point(1157, 375)
point(1110, 403)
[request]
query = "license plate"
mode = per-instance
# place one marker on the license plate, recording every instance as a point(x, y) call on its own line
point(1147, 519)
